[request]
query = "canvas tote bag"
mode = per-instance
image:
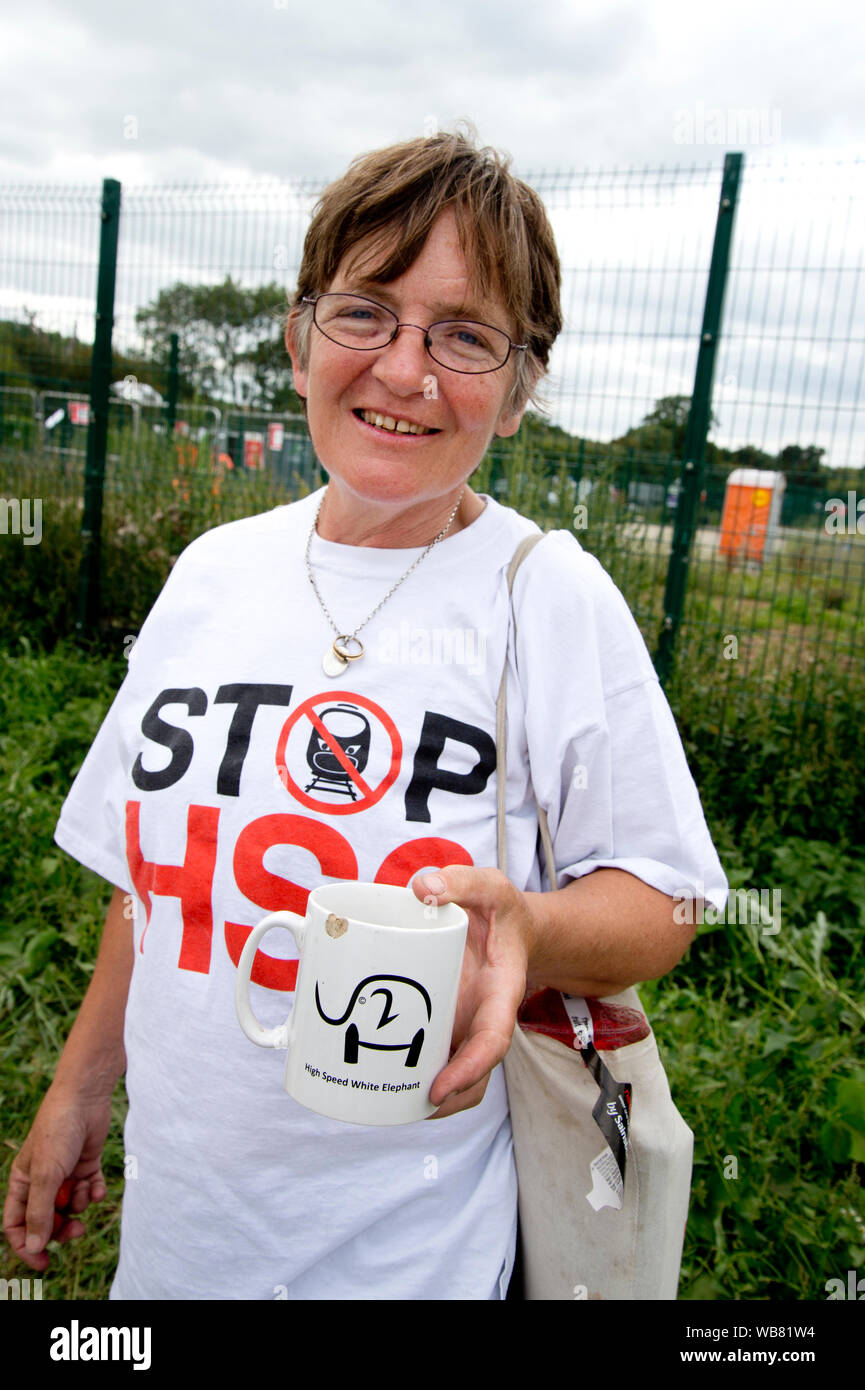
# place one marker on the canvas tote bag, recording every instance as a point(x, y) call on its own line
point(603, 1156)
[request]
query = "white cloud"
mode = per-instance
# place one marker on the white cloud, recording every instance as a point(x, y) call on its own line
point(299, 90)
point(229, 91)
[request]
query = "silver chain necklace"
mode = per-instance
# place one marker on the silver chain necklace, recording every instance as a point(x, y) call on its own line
point(348, 646)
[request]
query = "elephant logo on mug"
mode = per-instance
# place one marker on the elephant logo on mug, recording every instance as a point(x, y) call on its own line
point(409, 995)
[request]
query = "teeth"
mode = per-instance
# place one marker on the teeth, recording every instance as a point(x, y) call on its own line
point(387, 422)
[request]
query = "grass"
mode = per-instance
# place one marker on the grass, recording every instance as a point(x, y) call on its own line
point(761, 1034)
point(50, 709)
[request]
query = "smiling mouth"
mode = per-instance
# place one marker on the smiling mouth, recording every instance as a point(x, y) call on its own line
point(391, 424)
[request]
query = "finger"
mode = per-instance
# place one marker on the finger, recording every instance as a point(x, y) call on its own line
point(464, 1100)
point(471, 1063)
point(14, 1223)
point(39, 1218)
point(67, 1228)
point(73, 1197)
point(15, 1206)
point(85, 1191)
point(17, 1237)
point(15, 1232)
point(98, 1191)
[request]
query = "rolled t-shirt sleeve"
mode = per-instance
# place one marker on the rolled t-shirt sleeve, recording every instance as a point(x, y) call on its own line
point(607, 761)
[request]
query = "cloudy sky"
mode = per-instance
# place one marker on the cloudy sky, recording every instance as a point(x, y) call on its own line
point(226, 89)
point(235, 92)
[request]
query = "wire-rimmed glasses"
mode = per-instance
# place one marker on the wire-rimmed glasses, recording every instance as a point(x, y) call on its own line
point(460, 345)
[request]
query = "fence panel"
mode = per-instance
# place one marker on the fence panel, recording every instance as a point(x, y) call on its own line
point(778, 617)
point(779, 620)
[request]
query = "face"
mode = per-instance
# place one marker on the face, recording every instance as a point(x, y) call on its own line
point(401, 381)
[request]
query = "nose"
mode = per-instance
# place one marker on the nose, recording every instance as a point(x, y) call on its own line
point(404, 363)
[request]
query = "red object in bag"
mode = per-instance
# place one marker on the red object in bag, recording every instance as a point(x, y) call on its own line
point(612, 1025)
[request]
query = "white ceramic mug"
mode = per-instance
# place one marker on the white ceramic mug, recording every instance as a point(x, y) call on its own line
point(374, 1002)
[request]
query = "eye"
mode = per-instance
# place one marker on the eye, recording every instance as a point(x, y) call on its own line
point(470, 337)
point(353, 320)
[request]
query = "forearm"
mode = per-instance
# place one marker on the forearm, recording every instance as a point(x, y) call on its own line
point(602, 933)
point(94, 1056)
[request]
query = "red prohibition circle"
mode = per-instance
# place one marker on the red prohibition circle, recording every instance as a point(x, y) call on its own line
point(370, 794)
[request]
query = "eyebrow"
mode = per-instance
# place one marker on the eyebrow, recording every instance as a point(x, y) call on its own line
point(359, 284)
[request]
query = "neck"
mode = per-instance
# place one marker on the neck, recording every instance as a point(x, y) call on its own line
point(394, 526)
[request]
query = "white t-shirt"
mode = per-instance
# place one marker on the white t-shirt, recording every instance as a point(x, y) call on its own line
point(209, 795)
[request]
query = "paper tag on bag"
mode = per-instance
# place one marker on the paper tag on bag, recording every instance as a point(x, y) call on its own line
point(607, 1185)
point(581, 1019)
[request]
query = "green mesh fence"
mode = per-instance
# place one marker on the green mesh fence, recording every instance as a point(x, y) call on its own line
point(773, 607)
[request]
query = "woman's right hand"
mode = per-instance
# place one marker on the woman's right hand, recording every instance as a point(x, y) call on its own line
point(65, 1142)
point(67, 1137)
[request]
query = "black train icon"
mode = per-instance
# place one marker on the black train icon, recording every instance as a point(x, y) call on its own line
point(351, 730)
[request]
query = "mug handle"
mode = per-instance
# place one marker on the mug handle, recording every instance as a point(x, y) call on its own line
point(280, 1036)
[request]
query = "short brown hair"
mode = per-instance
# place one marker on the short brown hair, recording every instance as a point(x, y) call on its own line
point(503, 229)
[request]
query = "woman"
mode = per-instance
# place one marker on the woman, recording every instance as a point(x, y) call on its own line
point(282, 724)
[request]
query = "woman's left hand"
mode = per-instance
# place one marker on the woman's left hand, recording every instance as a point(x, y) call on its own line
point(493, 979)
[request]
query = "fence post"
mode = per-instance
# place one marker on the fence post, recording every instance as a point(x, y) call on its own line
point(97, 429)
point(699, 415)
point(173, 376)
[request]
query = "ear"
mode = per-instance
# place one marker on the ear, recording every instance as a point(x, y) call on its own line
point(509, 422)
point(300, 374)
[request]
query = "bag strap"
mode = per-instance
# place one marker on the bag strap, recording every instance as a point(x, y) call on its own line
point(523, 549)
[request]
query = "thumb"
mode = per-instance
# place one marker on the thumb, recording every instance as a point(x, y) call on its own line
point(469, 887)
point(432, 885)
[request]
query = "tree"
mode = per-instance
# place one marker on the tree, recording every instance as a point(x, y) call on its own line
point(749, 456)
point(671, 412)
point(803, 466)
point(230, 339)
point(43, 359)
point(271, 374)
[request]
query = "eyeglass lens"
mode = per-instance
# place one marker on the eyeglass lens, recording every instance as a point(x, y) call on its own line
point(356, 322)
